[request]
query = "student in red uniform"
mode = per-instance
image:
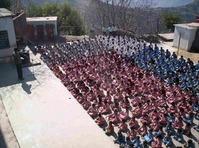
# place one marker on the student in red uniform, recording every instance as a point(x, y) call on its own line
point(142, 130)
point(110, 129)
point(133, 123)
point(114, 118)
point(101, 121)
point(157, 142)
point(92, 111)
point(105, 108)
point(123, 127)
point(124, 115)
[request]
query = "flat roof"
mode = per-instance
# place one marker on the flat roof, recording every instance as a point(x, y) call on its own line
point(188, 25)
point(195, 24)
point(41, 19)
point(166, 36)
point(5, 12)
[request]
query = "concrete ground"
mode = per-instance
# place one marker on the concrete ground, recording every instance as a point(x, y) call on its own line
point(169, 45)
point(7, 136)
point(44, 114)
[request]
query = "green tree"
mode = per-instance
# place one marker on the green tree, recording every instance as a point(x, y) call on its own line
point(5, 4)
point(69, 20)
point(170, 19)
point(34, 10)
point(50, 9)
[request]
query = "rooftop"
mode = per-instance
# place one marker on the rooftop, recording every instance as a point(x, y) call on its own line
point(5, 12)
point(195, 24)
point(166, 36)
point(41, 19)
point(189, 25)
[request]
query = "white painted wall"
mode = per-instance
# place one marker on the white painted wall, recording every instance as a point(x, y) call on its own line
point(6, 23)
point(184, 35)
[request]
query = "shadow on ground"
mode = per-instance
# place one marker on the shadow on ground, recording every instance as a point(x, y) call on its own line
point(26, 87)
point(8, 76)
point(2, 140)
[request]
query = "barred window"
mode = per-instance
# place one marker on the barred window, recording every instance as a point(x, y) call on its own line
point(4, 41)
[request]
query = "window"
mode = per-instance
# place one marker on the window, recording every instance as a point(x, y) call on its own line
point(4, 41)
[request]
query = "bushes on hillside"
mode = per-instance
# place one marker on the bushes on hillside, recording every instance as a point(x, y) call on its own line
point(69, 20)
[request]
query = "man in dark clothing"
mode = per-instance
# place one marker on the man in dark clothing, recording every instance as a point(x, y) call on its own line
point(18, 63)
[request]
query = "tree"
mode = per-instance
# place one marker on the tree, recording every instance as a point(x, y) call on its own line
point(5, 4)
point(126, 15)
point(69, 20)
point(34, 11)
point(170, 19)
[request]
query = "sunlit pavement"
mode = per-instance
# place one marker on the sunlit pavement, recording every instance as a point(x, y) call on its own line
point(42, 114)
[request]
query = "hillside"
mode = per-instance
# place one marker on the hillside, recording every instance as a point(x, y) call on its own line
point(157, 3)
point(40, 2)
point(188, 12)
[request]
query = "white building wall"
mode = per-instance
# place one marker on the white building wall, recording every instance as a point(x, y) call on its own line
point(184, 37)
point(6, 23)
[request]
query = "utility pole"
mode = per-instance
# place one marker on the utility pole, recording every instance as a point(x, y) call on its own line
point(179, 42)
